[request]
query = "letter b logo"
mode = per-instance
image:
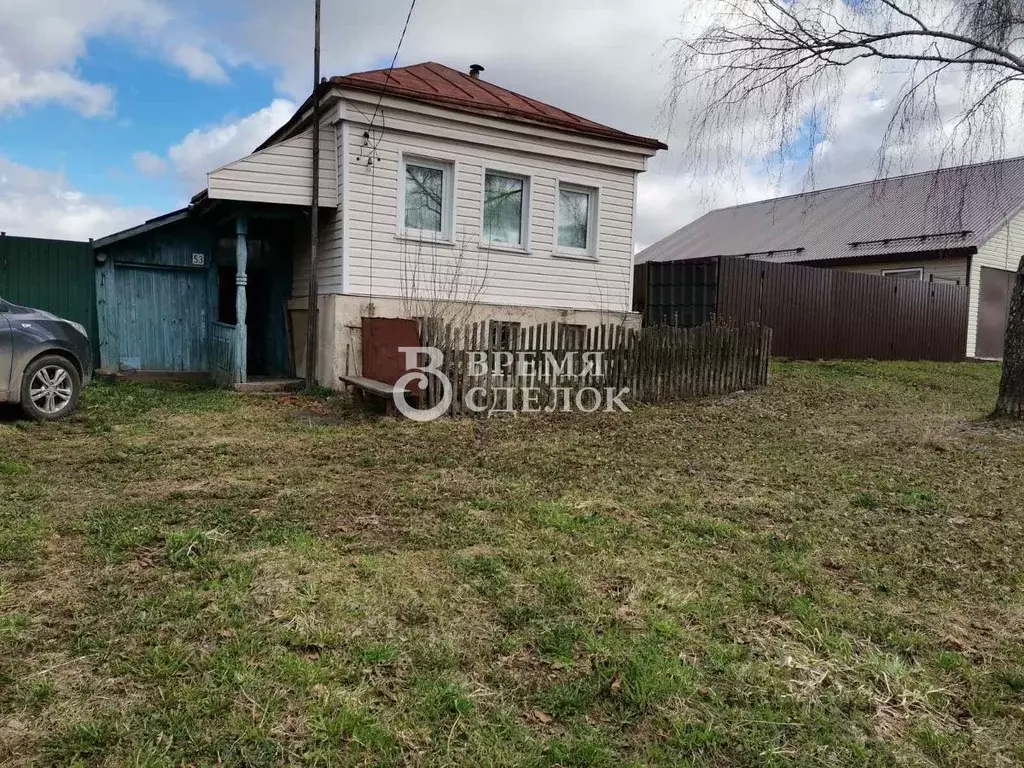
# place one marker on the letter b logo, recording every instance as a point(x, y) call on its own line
point(417, 374)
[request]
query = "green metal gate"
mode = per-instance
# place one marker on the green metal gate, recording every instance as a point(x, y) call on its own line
point(53, 275)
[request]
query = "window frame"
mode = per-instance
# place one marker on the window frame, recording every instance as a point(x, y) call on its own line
point(593, 215)
point(525, 230)
point(897, 273)
point(449, 170)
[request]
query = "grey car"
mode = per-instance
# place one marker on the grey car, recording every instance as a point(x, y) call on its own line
point(44, 361)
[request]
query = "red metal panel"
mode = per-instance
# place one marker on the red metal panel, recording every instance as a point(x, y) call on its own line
point(382, 337)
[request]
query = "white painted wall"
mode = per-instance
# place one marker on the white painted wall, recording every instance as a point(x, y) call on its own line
point(381, 263)
point(944, 269)
point(1004, 251)
point(282, 173)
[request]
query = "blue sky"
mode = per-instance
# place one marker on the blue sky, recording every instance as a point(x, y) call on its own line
point(156, 106)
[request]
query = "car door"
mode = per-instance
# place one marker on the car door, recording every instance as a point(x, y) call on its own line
point(6, 351)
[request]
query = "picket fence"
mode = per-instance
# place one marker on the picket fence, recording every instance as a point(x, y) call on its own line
point(655, 365)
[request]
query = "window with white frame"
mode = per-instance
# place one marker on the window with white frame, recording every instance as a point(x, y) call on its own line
point(577, 219)
point(427, 188)
point(904, 274)
point(506, 214)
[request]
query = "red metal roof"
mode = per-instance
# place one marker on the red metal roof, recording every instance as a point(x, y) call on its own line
point(433, 83)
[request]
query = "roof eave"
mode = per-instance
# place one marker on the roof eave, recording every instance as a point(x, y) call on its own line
point(458, 105)
point(148, 226)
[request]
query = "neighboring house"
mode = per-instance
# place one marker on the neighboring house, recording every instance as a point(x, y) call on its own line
point(440, 195)
point(963, 225)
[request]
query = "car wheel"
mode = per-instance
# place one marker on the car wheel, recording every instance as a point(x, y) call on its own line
point(50, 388)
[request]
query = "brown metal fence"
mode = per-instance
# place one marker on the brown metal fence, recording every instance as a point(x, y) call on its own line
point(824, 313)
point(556, 361)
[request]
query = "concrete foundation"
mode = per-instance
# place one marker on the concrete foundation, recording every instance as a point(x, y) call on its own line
point(340, 326)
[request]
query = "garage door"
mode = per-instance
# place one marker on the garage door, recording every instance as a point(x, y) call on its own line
point(162, 319)
point(993, 308)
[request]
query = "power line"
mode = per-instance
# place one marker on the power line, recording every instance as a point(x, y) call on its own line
point(394, 59)
point(373, 147)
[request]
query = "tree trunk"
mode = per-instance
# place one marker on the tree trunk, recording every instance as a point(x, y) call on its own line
point(1011, 386)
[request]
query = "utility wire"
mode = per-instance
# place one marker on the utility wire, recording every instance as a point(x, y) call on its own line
point(387, 79)
point(373, 148)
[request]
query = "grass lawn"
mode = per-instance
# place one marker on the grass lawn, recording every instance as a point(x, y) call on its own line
point(826, 572)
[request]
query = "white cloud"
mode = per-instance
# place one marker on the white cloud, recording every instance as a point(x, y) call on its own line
point(205, 149)
point(149, 164)
point(18, 90)
point(198, 64)
point(41, 42)
point(39, 203)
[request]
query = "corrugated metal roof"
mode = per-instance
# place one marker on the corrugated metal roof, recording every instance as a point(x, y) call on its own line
point(960, 207)
point(434, 83)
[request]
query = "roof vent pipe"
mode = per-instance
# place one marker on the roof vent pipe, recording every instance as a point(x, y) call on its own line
point(475, 70)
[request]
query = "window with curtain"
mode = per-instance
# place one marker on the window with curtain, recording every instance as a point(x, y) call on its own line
point(504, 200)
point(575, 209)
point(426, 196)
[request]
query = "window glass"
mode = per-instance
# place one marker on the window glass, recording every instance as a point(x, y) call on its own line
point(424, 197)
point(904, 274)
point(573, 218)
point(503, 209)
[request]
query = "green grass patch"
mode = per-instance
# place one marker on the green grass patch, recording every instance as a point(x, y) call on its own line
point(790, 577)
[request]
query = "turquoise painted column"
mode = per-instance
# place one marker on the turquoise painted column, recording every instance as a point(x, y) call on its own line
point(241, 281)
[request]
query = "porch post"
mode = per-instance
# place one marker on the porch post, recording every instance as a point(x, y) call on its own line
point(241, 280)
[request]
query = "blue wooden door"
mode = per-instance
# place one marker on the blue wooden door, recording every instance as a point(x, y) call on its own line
point(162, 318)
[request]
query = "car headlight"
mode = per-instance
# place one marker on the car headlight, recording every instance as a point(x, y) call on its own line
point(78, 327)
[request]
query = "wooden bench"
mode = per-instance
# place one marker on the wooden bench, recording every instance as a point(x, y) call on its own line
point(378, 389)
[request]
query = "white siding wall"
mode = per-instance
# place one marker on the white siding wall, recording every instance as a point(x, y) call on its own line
point(1004, 251)
point(944, 269)
point(329, 253)
point(282, 173)
point(382, 264)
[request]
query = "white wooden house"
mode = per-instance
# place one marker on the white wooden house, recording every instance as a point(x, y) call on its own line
point(440, 194)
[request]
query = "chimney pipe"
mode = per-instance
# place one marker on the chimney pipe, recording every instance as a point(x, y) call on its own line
point(475, 70)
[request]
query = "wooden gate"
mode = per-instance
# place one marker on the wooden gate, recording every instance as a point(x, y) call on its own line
point(159, 319)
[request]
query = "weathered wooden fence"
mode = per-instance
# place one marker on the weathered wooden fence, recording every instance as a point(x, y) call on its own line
point(553, 366)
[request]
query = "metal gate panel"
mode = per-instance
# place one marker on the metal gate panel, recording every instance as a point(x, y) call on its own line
point(53, 275)
point(996, 289)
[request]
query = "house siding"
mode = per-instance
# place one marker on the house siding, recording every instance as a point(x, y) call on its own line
point(940, 269)
point(281, 173)
point(382, 264)
point(1003, 251)
point(332, 233)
